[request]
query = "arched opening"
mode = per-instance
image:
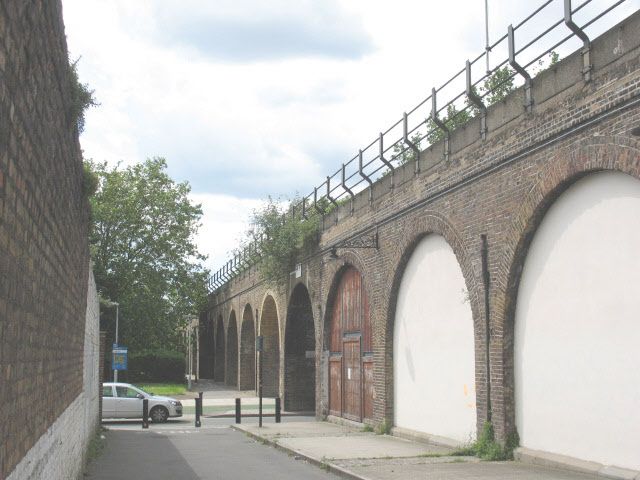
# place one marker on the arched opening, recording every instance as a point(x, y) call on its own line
point(299, 353)
point(231, 376)
point(433, 345)
point(351, 389)
point(206, 347)
point(270, 357)
point(576, 331)
point(247, 350)
point(218, 365)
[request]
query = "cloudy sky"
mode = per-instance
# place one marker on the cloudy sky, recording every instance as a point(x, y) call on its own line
point(248, 98)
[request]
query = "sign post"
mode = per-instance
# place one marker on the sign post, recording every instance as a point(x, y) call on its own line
point(259, 350)
point(119, 356)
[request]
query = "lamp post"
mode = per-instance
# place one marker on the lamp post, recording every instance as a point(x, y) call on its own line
point(115, 372)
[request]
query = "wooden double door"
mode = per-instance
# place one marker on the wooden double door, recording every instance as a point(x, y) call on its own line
point(351, 390)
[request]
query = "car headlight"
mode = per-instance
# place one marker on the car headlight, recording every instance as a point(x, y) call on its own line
point(175, 403)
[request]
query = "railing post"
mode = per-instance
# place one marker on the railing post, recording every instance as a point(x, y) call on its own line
point(347, 189)
point(440, 124)
point(238, 412)
point(586, 43)
point(528, 100)
point(365, 176)
point(384, 160)
point(278, 412)
point(145, 413)
point(413, 146)
point(329, 197)
point(315, 201)
point(477, 101)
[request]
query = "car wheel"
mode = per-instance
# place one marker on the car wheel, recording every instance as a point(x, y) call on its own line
point(159, 414)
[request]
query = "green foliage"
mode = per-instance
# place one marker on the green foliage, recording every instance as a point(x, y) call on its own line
point(487, 448)
point(145, 258)
point(453, 119)
point(81, 96)
point(91, 180)
point(383, 428)
point(403, 153)
point(286, 237)
point(466, 451)
point(95, 447)
point(367, 428)
point(544, 64)
point(498, 85)
point(164, 388)
point(495, 88)
point(155, 366)
point(512, 442)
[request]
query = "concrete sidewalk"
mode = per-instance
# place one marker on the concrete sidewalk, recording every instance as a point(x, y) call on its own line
point(356, 454)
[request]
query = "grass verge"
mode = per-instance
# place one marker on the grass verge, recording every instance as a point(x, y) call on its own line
point(164, 388)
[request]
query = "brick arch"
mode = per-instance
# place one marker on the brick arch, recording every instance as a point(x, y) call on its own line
point(572, 163)
point(415, 230)
point(299, 340)
point(231, 347)
point(247, 350)
point(270, 358)
point(351, 391)
point(334, 272)
point(219, 356)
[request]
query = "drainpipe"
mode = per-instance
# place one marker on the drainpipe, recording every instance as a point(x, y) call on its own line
point(487, 330)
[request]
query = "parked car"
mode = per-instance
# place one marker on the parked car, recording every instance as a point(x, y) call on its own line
point(123, 400)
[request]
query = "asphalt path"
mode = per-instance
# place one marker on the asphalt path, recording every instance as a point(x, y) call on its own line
point(178, 451)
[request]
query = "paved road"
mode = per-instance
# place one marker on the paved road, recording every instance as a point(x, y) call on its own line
point(177, 451)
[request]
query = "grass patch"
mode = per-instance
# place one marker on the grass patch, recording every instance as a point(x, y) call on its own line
point(164, 388)
point(96, 446)
point(487, 448)
point(367, 428)
point(383, 428)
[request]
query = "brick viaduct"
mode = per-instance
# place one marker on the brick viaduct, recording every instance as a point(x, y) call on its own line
point(490, 195)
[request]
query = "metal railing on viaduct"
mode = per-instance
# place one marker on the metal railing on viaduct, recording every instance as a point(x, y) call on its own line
point(464, 96)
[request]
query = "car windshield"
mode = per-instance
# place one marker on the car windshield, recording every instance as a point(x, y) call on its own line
point(141, 390)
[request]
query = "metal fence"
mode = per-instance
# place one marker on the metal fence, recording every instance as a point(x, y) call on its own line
point(522, 51)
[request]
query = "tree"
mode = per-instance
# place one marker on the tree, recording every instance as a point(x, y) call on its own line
point(145, 258)
point(285, 237)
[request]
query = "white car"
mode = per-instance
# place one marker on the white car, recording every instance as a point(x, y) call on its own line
point(123, 400)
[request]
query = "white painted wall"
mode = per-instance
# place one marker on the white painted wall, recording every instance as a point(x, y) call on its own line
point(433, 346)
point(60, 452)
point(577, 326)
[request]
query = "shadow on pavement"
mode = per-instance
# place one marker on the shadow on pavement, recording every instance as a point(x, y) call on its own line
point(155, 458)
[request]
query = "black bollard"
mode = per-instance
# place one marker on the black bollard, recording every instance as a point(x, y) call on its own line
point(238, 416)
point(277, 409)
point(198, 410)
point(145, 413)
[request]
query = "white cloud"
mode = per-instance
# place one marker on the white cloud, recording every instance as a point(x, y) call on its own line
point(225, 225)
point(277, 122)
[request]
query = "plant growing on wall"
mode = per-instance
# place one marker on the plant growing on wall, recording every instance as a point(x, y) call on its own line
point(285, 236)
point(81, 96)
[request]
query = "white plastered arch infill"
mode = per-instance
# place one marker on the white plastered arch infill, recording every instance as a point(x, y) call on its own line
point(433, 346)
point(577, 326)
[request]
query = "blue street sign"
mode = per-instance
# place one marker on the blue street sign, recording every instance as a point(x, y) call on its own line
point(119, 357)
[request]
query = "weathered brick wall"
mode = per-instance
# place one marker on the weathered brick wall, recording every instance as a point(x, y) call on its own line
point(44, 259)
point(499, 187)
